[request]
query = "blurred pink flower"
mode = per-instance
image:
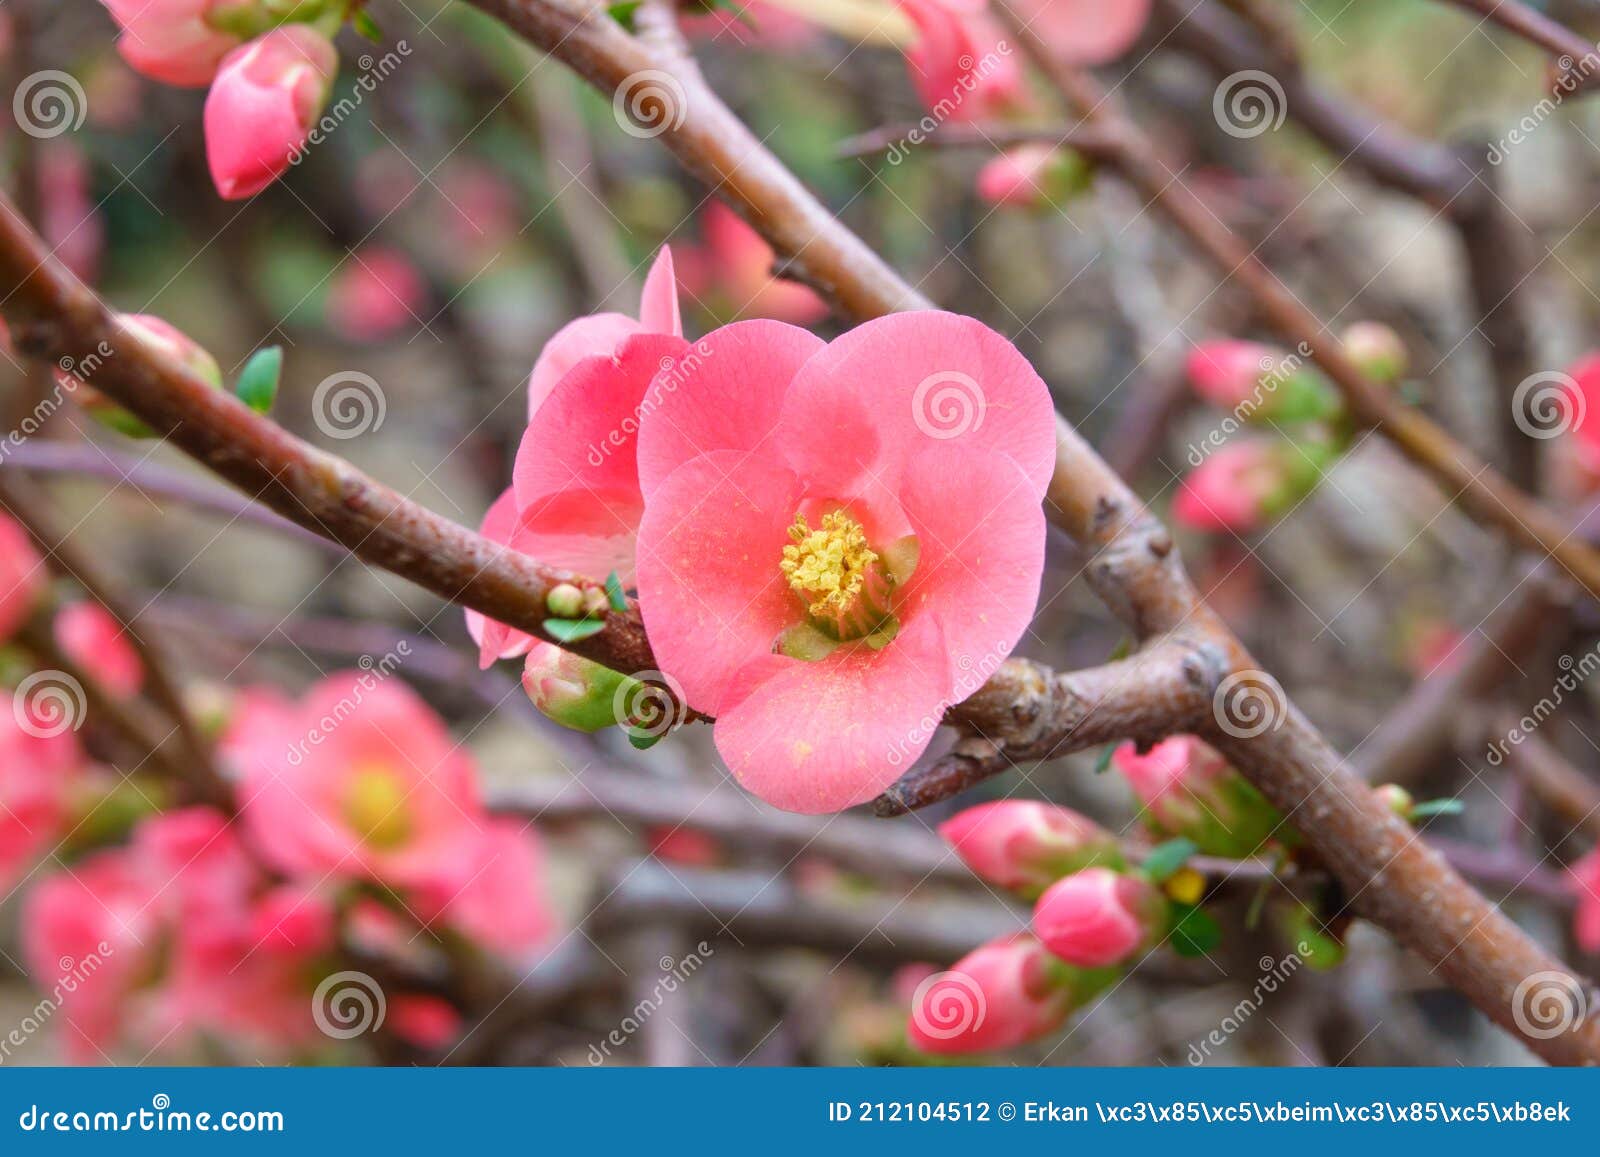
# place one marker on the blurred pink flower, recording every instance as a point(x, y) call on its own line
point(377, 293)
point(174, 41)
point(69, 219)
point(1227, 372)
point(22, 577)
point(39, 773)
point(733, 272)
point(263, 104)
point(1086, 32)
point(1001, 995)
point(362, 781)
point(961, 64)
point(1234, 489)
point(807, 572)
point(1585, 878)
point(680, 845)
point(1098, 917)
point(428, 1022)
point(92, 638)
point(502, 903)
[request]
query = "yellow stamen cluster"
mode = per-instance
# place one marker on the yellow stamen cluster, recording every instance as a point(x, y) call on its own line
point(374, 806)
point(828, 567)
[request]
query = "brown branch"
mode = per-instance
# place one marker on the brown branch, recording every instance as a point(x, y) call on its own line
point(1560, 786)
point(1574, 57)
point(1092, 143)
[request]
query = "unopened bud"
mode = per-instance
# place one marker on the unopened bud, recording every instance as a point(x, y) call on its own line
point(1098, 918)
point(1188, 789)
point(565, 601)
point(1026, 846)
point(1377, 351)
point(1396, 798)
point(155, 334)
point(571, 690)
point(1001, 995)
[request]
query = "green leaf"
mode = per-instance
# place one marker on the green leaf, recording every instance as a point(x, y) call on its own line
point(623, 12)
point(258, 383)
point(1195, 933)
point(614, 592)
point(1167, 858)
point(573, 630)
point(643, 740)
point(1104, 761)
point(366, 26)
point(1437, 807)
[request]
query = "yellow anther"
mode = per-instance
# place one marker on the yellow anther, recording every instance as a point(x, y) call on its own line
point(374, 806)
point(829, 567)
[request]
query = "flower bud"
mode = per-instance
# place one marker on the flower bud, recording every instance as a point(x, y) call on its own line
point(263, 104)
point(1377, 351)
point(93, 639)
point(1238, 488)
point(22, 577)
point(1584, 878)
point(571, 690)
point(1098, 918)
point(1034, 176)
point(1228, 373)
point(1001, 995)
point(1188, 789)
point(1396, 798)
point(155, 334)
point(1025, 845)
point(181, 42)
point(565, 601)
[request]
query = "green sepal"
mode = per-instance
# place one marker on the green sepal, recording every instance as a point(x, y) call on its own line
point(1167, 858)
point(258, 382)
point(573, 630)
point(1437, 807)
point(614, 592)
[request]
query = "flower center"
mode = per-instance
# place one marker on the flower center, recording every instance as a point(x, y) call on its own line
point(837, 575)
point(374, 807)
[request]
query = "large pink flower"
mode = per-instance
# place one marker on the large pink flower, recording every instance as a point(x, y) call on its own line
point(361, 781)
point(22, 576)
point(502, 904)
point(263, 104)
point(961, 65)
point(838, 539)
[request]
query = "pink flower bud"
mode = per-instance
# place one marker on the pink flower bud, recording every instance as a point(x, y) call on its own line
point(1188, 789)
point(293, 920)
point(1585, 879)
point(22, 577)
point(1377, 351)
point(1228, 373)
point(377, 293)
point(1027, 846)
point(1034, 176)
point(94, 640)
point(428, 1022)
point(165, 339)
point(1097, 917)
point(1396, 798)
point(179, 41)
point(572, 690)
point(1235, 489)
point(1004, 994)
point(263, 104)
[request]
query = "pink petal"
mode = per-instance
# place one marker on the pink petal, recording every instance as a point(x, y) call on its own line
point(1086, 31)
point(710, 589)
point(576, 476)
point(981, 532)
point(658, 308)
point(594, 336)
point(496, 640)
point(933, 379)
point(726, 394)
point(817, 737)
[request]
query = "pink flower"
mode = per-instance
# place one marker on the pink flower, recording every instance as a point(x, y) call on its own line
point(376, 293)
point(733, 273)
point(1188, 789)
point(1004, 994)
point(22, 577)
point(362, 781)
point(1034, 176)
point(69, 220)
point(1086, 32)
point(263, 104)
point(1582, 411)
point(428, 1022)
point(960, 64)
point(1025, 845)
point(1585, 877)
point(502, 903)
point(1235, 489)
point(1228, 373)
point(1098, 917)
point(93, 639)
point(38, 774)
point(686, 846)
point(174, 41)
point(808, 572)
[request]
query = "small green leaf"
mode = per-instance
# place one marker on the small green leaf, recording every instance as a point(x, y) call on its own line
point(643, 740)
point(366, 26)
point(1104, 761)
point(258, 383)
point(1437, 807)
point(614, 592)
point(1167, 858)
point(623, 12)
point(1195, 933)
point(573, 630)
